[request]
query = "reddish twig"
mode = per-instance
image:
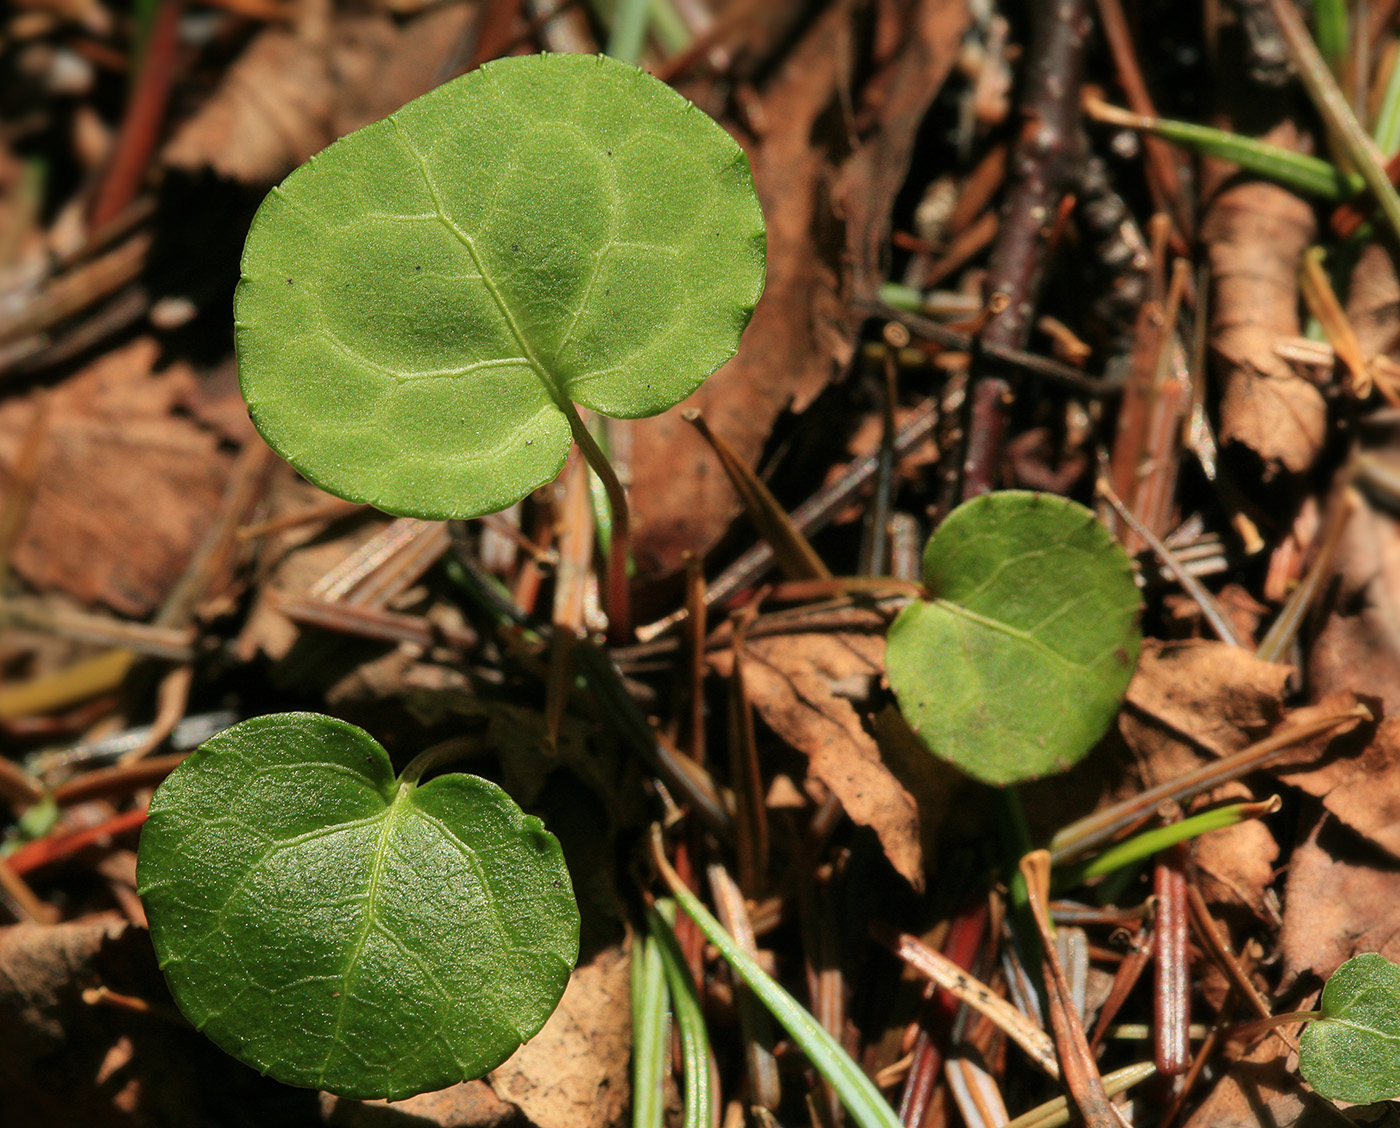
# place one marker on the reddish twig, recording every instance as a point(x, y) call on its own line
point(1171, 987)
point(55, 847)
point(140, 130)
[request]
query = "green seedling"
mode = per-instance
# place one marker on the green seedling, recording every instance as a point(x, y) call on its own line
point(1017, 663)
point(1351, 1049)
point(336, 927)
point(422, 307)
point(424, 303)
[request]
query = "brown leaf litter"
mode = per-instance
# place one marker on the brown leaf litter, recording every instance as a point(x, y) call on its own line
point(1255, 234)
point(807, 688)
point(827, 207)
point(128, 484)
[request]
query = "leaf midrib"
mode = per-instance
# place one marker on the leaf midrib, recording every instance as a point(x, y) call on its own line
point(1011, 632)
point(376, 872)
point(555, 392)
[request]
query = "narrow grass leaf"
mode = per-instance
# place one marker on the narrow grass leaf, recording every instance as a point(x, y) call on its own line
point(857, 1092)
point(651, 1029)
point(690, 1018)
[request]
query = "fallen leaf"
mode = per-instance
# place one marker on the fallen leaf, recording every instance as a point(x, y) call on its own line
point(1203, 693)
point(292, 93)
point(127, 485)
point(65, 1060)
point(1261, 1088)
point(1358, 646)
point(1360, 786)
point(1255, 234)
point(572, 1074)
point(1373, 300)
point(1191, 703)
point(1339, 901)
point(802, 687)
point(472, 1104)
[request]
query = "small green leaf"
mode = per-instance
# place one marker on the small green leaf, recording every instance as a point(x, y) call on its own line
point(1352, 1053)
point(1018, 664)
point(337, 928)
point(423, 302)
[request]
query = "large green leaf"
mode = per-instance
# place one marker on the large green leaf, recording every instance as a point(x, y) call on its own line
point(1352, 1053)
point(337, 928)
point(422, 299)
point(1019, 663)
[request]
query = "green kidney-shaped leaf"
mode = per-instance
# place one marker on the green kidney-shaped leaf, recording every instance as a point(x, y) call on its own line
point(1019, 663)
point(337, 928)
point(419, 300)
point(1352, 1053)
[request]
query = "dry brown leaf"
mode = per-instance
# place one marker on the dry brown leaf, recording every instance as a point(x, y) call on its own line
point(1190, 697)
point(472, 1104)
point(1373, 300)
point(1261, 1089)
point(802, 687)
point(1255, 234)
point(1357, 649)
point(1205, 693)
point(1339, 901)
point(826, 209)
point(1361, 787)
point(127, 487)
point(66, 1061)
point(292, 93)
point(572, 1074)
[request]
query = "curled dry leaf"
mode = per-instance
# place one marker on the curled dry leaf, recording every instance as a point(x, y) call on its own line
point(803, 687)
point(1373, 300)
point(1255, 234)
point(572, 1073)
point(127, 484)
point(1358, 780)
point(1208, 694)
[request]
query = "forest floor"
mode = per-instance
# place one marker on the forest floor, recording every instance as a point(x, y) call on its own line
point(976, 281)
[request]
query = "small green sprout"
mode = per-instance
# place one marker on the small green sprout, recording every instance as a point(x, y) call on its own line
point(424, 303)
point(1351, 1051)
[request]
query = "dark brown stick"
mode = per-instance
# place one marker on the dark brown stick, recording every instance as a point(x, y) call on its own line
point(1041, 167)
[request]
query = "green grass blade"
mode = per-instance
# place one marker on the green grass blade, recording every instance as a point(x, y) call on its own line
point(857, 1092)
point(1345, 130)
point(1297, 171)
point(1332, 34)
point(629, 30)
point(1386, 129)
point(651, 1029)
point(695, 1041)
point(1149, 842)
point(668, 27)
